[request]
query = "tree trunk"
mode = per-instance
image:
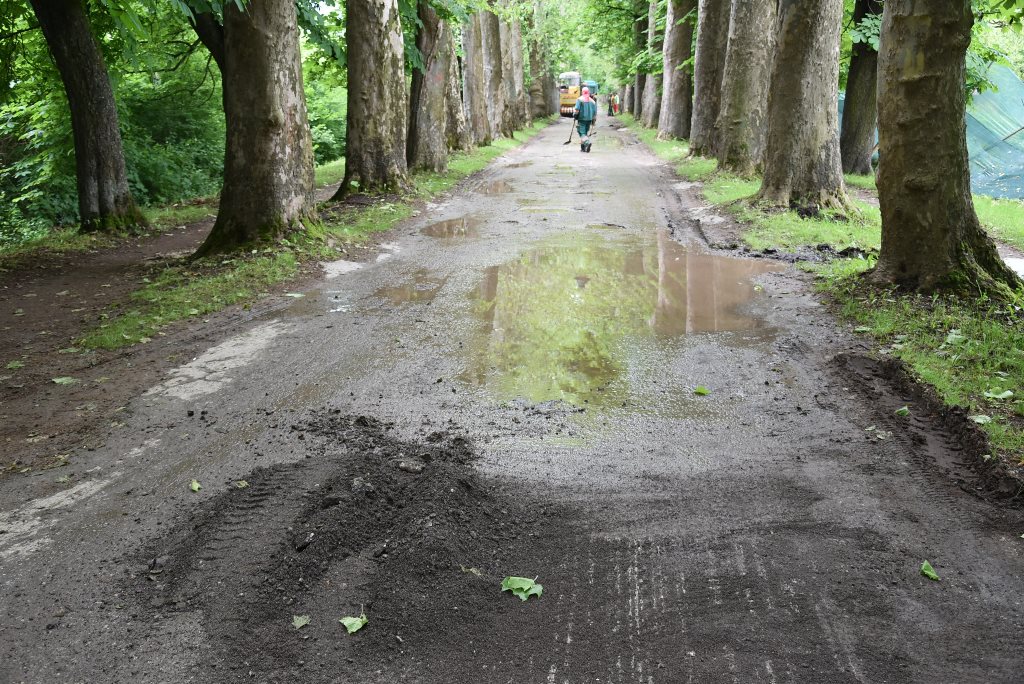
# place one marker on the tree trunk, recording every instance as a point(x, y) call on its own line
point(377, 99)
point(490, 35)
point(651, 108)
point(511, 114)
point(857, 138)
point(475, 87)
point(640, 8)
point(802, 167)
point(627, 99)
point(519, 74)
point(708, 66)
point(539, 72)
point(457, 132)
point(104, 198)
point(427, 144)
point(676, 83)
point(746, 78)
point(931, 237)
point(268, 157)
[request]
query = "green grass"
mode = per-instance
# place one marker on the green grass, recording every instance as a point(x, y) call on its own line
point(857, 181)
point(1003, 218)
point(174, 215)
point(185, 290)
point(330, 173)
point(962, 349)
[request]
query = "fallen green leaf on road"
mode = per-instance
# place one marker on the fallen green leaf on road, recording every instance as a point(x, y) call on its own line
point(472, 571)
point(523, 587)
point(702, 391)
point(241, 484)
point(296, 295)
point(981, 419)
point(928, 571)
point(300, 621)
point(903, 411)
point(64, 380)
point(14, 365)
point(195, 486)
point(862, 329)
point(996, 394)
point(354, 624)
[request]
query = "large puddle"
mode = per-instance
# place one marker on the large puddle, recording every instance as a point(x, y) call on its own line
point(420, 289)
point(452, 229)
point(571, 319)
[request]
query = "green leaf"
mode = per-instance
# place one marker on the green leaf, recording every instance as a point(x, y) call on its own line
point(295, 295)
point(14, 365)
point(981, 419)
point(300, 621)
point(862, 329)
point(241, 484)
point(903, 411)
point(928, 571)
point(954, 337)
point(354, 624)
point(64, 380)
point(195, 486)
point(702, 391)
point(996, 394)
point(523, 587)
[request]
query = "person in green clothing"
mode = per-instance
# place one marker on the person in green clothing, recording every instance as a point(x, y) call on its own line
point(585, 116)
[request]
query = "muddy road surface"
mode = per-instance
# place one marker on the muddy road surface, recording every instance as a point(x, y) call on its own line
point(547, 374)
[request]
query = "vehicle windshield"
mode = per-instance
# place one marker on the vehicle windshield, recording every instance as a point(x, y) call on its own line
point(568, 80)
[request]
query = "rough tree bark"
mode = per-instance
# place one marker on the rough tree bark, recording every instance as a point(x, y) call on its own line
point(427, 144)
point(268, 157)
point(104, 198)
point(627, 99)
point(475, 87)
point(539, 71)
point(490, 38)
point(857, 137)
point(676, 84)
point(457, 133)
point(708, 65)
point(512, 114)
point(651, 108)
point(745, 81)
point(931, 237)
point(801, 163)
point(377, 99)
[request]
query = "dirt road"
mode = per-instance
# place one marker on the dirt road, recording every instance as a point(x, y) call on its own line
point(511, 389)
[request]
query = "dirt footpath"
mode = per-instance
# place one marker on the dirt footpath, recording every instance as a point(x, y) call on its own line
point(550, 375)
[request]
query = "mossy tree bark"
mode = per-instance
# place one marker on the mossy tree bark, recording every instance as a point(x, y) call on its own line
point(857, 137)
point(490, 38)
point(377, 99)
point(676, 83)
point(474, 85)
point(268, 157)
point(931, 237)
point(427, 144)
point(104, 198)
point(708, 66)
point(627, 98)
point(512, 114)
point(651, 108)
point(802, 167)
point(746, 78)
point(539, 71)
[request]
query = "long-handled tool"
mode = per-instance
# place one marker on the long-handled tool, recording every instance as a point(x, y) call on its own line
point(571, 129)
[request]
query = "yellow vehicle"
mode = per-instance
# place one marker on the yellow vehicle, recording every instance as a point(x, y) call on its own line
point(569, 85)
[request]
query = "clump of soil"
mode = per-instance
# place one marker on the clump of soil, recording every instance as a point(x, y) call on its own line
point(403, 532)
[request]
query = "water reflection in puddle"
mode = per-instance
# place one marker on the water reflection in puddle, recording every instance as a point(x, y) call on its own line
point(421, 289)
point(520, 165)
point(465, 227)
point(568, 320)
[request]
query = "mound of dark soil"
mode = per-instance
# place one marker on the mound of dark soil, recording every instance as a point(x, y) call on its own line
point(404, 532)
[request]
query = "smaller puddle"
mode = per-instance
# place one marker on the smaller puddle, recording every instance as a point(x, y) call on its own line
point(607, 226)
point(333, 269)
point(465, 227)
point(520, 165)
point(421, 290)
point(498, 187)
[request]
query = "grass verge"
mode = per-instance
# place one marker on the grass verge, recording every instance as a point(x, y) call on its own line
point(971, 352)
point(178, 291)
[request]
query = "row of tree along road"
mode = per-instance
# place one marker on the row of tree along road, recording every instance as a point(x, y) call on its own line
point(394, 126)
point(764, 91)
